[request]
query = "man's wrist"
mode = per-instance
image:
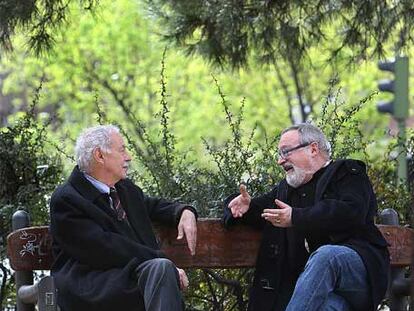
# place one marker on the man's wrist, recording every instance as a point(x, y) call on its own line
point(189, 208)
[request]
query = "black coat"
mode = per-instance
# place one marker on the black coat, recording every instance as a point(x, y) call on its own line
point(95, 254)
point(343, 214)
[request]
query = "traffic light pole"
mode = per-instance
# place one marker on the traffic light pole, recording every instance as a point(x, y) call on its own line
point(401, 113)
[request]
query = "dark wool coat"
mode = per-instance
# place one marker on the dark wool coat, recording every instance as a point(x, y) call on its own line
point(342, 213)
point(95, 254)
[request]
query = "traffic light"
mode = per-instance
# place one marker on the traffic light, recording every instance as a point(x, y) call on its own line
point(399, 87)
point(398, 107)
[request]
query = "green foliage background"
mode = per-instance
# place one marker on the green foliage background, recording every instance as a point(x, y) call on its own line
point(196, 131)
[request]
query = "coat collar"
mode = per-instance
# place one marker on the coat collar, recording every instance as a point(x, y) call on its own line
point(83, 186)
point(78, 180)
point(321, 185)
point(101, 200)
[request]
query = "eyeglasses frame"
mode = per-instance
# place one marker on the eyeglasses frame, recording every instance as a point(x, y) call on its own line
point(284, 153)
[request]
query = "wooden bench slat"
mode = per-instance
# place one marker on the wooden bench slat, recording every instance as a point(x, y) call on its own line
point(401, 243)
point(217, 247)
point(30, 248)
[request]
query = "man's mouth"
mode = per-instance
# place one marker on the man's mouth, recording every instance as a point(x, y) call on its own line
point(288, 168)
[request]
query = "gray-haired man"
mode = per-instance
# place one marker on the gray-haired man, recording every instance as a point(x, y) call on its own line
point(332, 205)
point(106, 254)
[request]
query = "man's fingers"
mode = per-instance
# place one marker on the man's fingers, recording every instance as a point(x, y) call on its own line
point(234, 211)
point(234, 206)
point(183, 279)
point(180, 233)
point(271, 214)
point(188, 228)
point(192, 242)
point(281, 204)
point(240, 204)
point(271, 211)
point(233, 203)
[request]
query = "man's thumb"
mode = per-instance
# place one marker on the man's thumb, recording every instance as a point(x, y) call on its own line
point(281, 204)
point(243, 191)
point(180, 233)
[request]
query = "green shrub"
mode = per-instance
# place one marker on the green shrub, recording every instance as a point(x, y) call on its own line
point(28, 175)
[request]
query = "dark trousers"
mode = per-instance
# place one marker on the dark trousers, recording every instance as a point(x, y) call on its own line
point(159, 285)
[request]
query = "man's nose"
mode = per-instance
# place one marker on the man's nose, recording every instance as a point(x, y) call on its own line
point(281, 160)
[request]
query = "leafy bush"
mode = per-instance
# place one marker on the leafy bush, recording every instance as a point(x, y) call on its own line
point(28, 175)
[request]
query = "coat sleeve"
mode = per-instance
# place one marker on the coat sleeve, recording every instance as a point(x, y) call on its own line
point(345, 204)
point(81, 237)
point(166, 212)
point(161, 210)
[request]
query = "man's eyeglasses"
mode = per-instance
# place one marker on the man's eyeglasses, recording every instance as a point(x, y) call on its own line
point(284, 153)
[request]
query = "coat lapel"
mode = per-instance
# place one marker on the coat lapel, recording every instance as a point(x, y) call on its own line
point(98, 199)
point(326, 178)
point(137, 217)
point(89, 192)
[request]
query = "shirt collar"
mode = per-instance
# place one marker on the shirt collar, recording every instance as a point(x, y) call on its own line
point(327, 163)
point(103, 188)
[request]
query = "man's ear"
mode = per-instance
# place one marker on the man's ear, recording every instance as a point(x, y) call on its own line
point(98, 155)
point(315, 148)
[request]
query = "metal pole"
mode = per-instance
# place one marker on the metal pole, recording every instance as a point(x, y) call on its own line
point(398, 302)
point(20, 219)
point(402, 153)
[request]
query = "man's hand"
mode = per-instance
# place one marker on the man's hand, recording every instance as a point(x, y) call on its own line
point(281, 217)
point(188, 227)
point(183, 279)
point(241, 203)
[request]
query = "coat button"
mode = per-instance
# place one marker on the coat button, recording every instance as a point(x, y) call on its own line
point(273, 250)
point(266, 284)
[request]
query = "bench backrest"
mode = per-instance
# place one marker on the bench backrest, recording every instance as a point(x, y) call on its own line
point(30, 248)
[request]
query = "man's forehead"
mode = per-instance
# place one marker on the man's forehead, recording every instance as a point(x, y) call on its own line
point(289, 138)
point(117, 138)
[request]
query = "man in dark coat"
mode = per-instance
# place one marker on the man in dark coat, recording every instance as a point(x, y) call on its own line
point(106, 254)
point(320, 248)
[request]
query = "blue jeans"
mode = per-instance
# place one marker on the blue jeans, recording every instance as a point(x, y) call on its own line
point(334, 279)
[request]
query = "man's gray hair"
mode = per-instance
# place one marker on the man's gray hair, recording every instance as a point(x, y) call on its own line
point(309, 133)
point(89, 140)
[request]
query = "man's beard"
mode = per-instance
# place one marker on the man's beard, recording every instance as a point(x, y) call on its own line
point(297, 176)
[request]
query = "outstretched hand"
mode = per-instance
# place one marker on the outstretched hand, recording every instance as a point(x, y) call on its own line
point(241, 203)
point(280, 217)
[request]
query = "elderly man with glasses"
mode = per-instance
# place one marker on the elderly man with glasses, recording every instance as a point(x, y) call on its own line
point(320, 248)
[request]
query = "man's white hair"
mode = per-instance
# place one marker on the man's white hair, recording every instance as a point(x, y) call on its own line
point(309, 133)
point(89, 140)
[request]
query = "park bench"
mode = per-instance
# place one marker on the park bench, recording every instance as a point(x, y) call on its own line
point(29, 248)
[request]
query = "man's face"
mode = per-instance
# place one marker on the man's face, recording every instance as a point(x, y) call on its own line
point(296, 163)
point(116, 160)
